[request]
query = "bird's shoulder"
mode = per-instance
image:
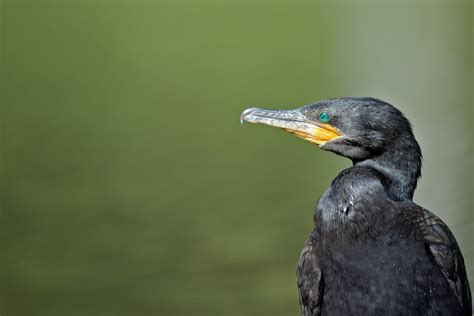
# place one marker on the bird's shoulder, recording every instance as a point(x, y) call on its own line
point(309, 278)
point(444, 249)
point(359, 176)
point(355, 188)
point(360, 182)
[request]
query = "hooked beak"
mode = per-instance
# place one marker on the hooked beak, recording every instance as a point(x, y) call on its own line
point(293, 121)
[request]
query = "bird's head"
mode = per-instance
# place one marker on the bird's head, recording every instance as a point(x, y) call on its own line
point(357, 128)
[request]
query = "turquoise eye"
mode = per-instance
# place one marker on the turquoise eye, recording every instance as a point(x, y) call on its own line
point(324, 117)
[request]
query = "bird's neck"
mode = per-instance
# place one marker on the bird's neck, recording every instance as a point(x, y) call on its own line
point(400, 165)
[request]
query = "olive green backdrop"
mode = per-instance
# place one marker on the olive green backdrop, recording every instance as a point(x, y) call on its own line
point(128, 186)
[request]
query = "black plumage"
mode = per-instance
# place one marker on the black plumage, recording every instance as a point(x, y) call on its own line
point(372, 250)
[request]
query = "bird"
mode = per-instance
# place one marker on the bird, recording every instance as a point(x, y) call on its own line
point(372, 251)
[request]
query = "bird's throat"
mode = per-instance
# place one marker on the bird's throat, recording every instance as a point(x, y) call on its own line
point(401, 167)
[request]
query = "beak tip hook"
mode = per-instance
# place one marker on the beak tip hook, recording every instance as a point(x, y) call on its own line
point(245, 113)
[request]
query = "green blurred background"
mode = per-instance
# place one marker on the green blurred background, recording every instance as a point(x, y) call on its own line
point(128, 186)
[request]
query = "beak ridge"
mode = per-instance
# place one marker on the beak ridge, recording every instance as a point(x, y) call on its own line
point(277, 118)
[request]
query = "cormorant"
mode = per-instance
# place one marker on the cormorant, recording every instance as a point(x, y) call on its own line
point(372, 250)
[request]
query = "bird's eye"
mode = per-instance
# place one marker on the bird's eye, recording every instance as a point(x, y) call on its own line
point(324, 117)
